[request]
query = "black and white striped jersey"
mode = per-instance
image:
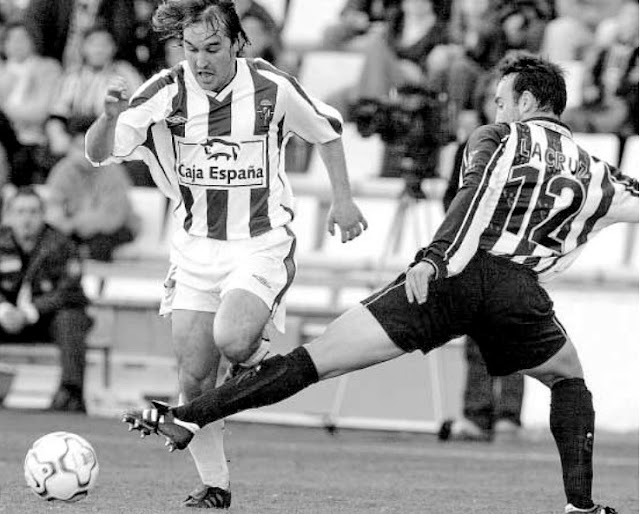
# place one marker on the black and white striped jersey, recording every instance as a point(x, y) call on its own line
point(220, 156)
point(532, 195)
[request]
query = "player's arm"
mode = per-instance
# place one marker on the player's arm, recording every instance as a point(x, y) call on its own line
point(456, 240)
point(624, 202)
point(344, 211)
point(101, 135)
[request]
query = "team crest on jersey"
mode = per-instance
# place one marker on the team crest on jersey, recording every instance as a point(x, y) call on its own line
point(221, 163)
point(265, 112)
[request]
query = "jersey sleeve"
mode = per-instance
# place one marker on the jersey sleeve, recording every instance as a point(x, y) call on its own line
point(150, 104)
point(624, 203)
point(310, 118)
point(484, 169)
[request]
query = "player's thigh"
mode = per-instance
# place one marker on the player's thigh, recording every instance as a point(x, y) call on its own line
point(563, 364)
point(242, 316)
point(192, 335)
point(353, 341)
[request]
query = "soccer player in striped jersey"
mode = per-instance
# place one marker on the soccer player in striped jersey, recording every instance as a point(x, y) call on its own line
point(213, 131)
point(531, 198)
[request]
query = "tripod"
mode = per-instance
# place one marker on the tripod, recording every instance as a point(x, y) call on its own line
point(406, 222)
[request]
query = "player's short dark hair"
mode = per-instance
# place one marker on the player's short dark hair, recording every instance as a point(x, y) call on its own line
point(25, 191)
point(542, 78)
point(172, 16)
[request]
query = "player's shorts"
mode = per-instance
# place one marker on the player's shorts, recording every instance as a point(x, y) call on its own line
point(206, 269)
point(498, 303)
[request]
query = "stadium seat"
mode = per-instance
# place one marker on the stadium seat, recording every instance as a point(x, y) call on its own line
point(630, 162)
point(306, 223)
point(324, 73)
point(149, 204)
point(364, 156)
point(604, 146)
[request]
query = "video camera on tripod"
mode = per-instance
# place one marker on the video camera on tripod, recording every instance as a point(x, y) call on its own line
point(414, 123)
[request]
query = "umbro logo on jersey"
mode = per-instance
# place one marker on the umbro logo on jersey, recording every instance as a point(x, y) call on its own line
point(173, 121)
point(215, 148)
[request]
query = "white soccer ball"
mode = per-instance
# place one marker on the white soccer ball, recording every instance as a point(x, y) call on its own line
point(61, 466)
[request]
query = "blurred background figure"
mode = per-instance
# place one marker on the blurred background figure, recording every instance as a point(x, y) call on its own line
point(28, 83)
point(610, 86)
point(262, 29)
point(78, 101)
point(59, 26)
point(91, 205)
point(491, 405)
point(41, 297)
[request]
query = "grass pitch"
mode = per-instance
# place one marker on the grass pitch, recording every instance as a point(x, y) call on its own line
point(307, 471)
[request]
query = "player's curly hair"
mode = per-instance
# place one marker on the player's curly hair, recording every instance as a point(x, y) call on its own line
point(542, 78)
point(172, 16)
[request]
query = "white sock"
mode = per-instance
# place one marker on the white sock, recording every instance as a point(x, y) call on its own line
point(207, 451)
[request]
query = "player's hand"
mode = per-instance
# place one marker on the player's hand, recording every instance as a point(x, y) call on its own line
point(348, 217)
point(417, 281)
point(117, 98)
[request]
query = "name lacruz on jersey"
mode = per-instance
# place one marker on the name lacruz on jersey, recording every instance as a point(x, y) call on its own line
point(220, 156)
point(532, 195)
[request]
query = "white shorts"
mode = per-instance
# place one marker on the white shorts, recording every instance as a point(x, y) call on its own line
point(205, 269)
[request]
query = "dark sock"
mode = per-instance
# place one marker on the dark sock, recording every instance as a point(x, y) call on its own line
point(276, 378)
point(572, 426)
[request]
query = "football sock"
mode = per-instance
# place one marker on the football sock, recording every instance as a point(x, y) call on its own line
point(207, 451)
point(277, 378)
point(572, 426)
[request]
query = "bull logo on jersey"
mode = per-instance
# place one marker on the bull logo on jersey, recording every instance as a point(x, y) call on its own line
point(216, 148)
point(265, 112)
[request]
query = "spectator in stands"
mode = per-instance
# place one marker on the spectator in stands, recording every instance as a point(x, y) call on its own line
point(41, 297)
point(28, 82)
point(79, 99)
point(491, 405)
point(149, 49)
point(356, 19)
point(90, 206)
point(262, 30)
point(59, 26)
point(610, 86)
point(570, 35)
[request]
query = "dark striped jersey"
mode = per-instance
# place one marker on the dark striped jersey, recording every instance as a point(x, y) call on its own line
point(532, 195)
point(220, 156)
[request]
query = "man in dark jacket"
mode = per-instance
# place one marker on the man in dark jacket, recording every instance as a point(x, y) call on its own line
point(41, 297)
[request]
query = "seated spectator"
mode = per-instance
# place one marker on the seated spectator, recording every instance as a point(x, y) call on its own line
point(610, 86)
point(41, 297)
point(59, 26)
point(91, 204)
point(27, 85)
point(79, 99)
point(262, 30)
point(356, 20)
point(570, 35)
point(149, 50)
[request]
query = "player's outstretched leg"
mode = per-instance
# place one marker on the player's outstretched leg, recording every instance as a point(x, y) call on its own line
point(160, 420)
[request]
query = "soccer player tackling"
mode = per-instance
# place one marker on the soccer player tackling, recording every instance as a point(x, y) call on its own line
point(213, 131)
point(531, 198)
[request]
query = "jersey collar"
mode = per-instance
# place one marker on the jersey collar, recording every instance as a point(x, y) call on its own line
point(553, 124)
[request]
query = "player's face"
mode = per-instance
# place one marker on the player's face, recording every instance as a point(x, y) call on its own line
point(507, 108)
point(210, 54)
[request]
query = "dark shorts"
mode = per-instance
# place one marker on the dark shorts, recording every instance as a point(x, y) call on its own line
point(498, 303)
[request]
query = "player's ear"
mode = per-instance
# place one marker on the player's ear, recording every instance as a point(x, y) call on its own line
point(528, 102)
